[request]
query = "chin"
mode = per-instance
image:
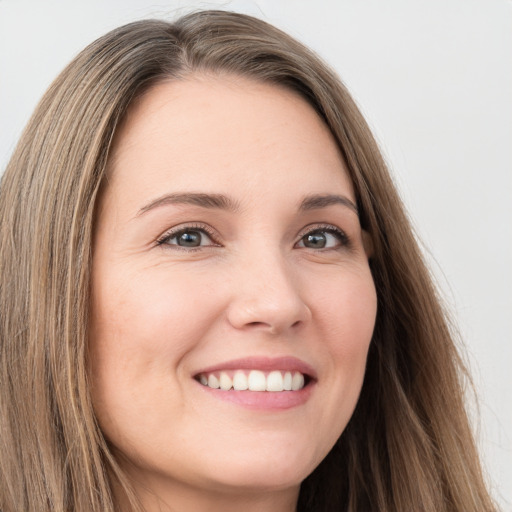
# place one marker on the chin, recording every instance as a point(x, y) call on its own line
point(260, 479)
point(264, 471)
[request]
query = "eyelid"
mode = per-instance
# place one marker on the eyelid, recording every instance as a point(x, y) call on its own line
point(212, 234)
point(331, 228)
point(194, 226)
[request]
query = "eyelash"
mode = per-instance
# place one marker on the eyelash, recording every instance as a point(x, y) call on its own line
point(203, 228)
point(327, 228)
point(321, 228)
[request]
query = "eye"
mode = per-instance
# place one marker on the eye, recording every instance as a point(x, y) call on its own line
point(187, 238)
point(323, 238)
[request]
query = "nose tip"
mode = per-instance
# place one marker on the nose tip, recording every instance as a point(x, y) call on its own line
point(268, 301)
point(270, 317)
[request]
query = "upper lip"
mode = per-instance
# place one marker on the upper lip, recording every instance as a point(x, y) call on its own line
point(285, 363)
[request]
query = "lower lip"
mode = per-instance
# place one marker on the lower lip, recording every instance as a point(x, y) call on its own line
point(263, 400)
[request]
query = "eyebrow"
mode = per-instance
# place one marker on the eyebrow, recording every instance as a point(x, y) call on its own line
point(322, 201)
point(223, 202)
point(217, 201)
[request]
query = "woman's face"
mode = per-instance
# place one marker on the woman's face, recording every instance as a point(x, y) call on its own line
point(227, 249)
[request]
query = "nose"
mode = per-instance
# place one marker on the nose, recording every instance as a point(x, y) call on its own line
point(266, 296)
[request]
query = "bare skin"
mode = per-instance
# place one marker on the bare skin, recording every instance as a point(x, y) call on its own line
point(228, 231)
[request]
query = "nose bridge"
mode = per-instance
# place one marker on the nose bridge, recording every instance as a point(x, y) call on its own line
point(266, 292)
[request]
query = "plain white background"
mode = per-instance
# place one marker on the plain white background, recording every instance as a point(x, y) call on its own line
point(434, 79)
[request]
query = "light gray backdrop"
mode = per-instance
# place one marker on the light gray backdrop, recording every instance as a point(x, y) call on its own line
point(434, 78)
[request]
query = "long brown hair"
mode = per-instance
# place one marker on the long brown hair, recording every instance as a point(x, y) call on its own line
point(408, 446)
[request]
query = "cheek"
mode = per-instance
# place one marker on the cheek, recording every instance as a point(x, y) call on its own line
point(348, 310)
point(141, 329)
point(150, 311)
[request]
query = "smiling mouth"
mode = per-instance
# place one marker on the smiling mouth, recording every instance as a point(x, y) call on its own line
point(254, 380)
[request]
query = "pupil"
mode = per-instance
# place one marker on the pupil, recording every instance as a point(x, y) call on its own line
point(315, 241)
point(189, 239)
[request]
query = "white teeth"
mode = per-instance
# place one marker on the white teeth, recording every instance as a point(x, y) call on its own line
point(240, 381)
point(257, 381)
point(225, 381)
point(287, 381)
point(297, 381)
point(213, 382)
point(275, 381)
point(254, 380)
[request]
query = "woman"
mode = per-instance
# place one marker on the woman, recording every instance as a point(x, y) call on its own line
point(211, 296)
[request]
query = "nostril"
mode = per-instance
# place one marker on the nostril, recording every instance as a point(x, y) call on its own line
point(257, 324)
point(267, 315)
point(274, 329)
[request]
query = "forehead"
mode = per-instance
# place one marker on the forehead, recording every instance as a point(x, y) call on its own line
point(217, 133)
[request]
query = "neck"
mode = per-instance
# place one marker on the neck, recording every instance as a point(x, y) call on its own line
point(174, 497)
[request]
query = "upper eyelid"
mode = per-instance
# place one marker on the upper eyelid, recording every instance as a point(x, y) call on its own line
point(172, 232)
point(208, 230)
point(321, 227)
point(318, 227)
point(341, 234)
